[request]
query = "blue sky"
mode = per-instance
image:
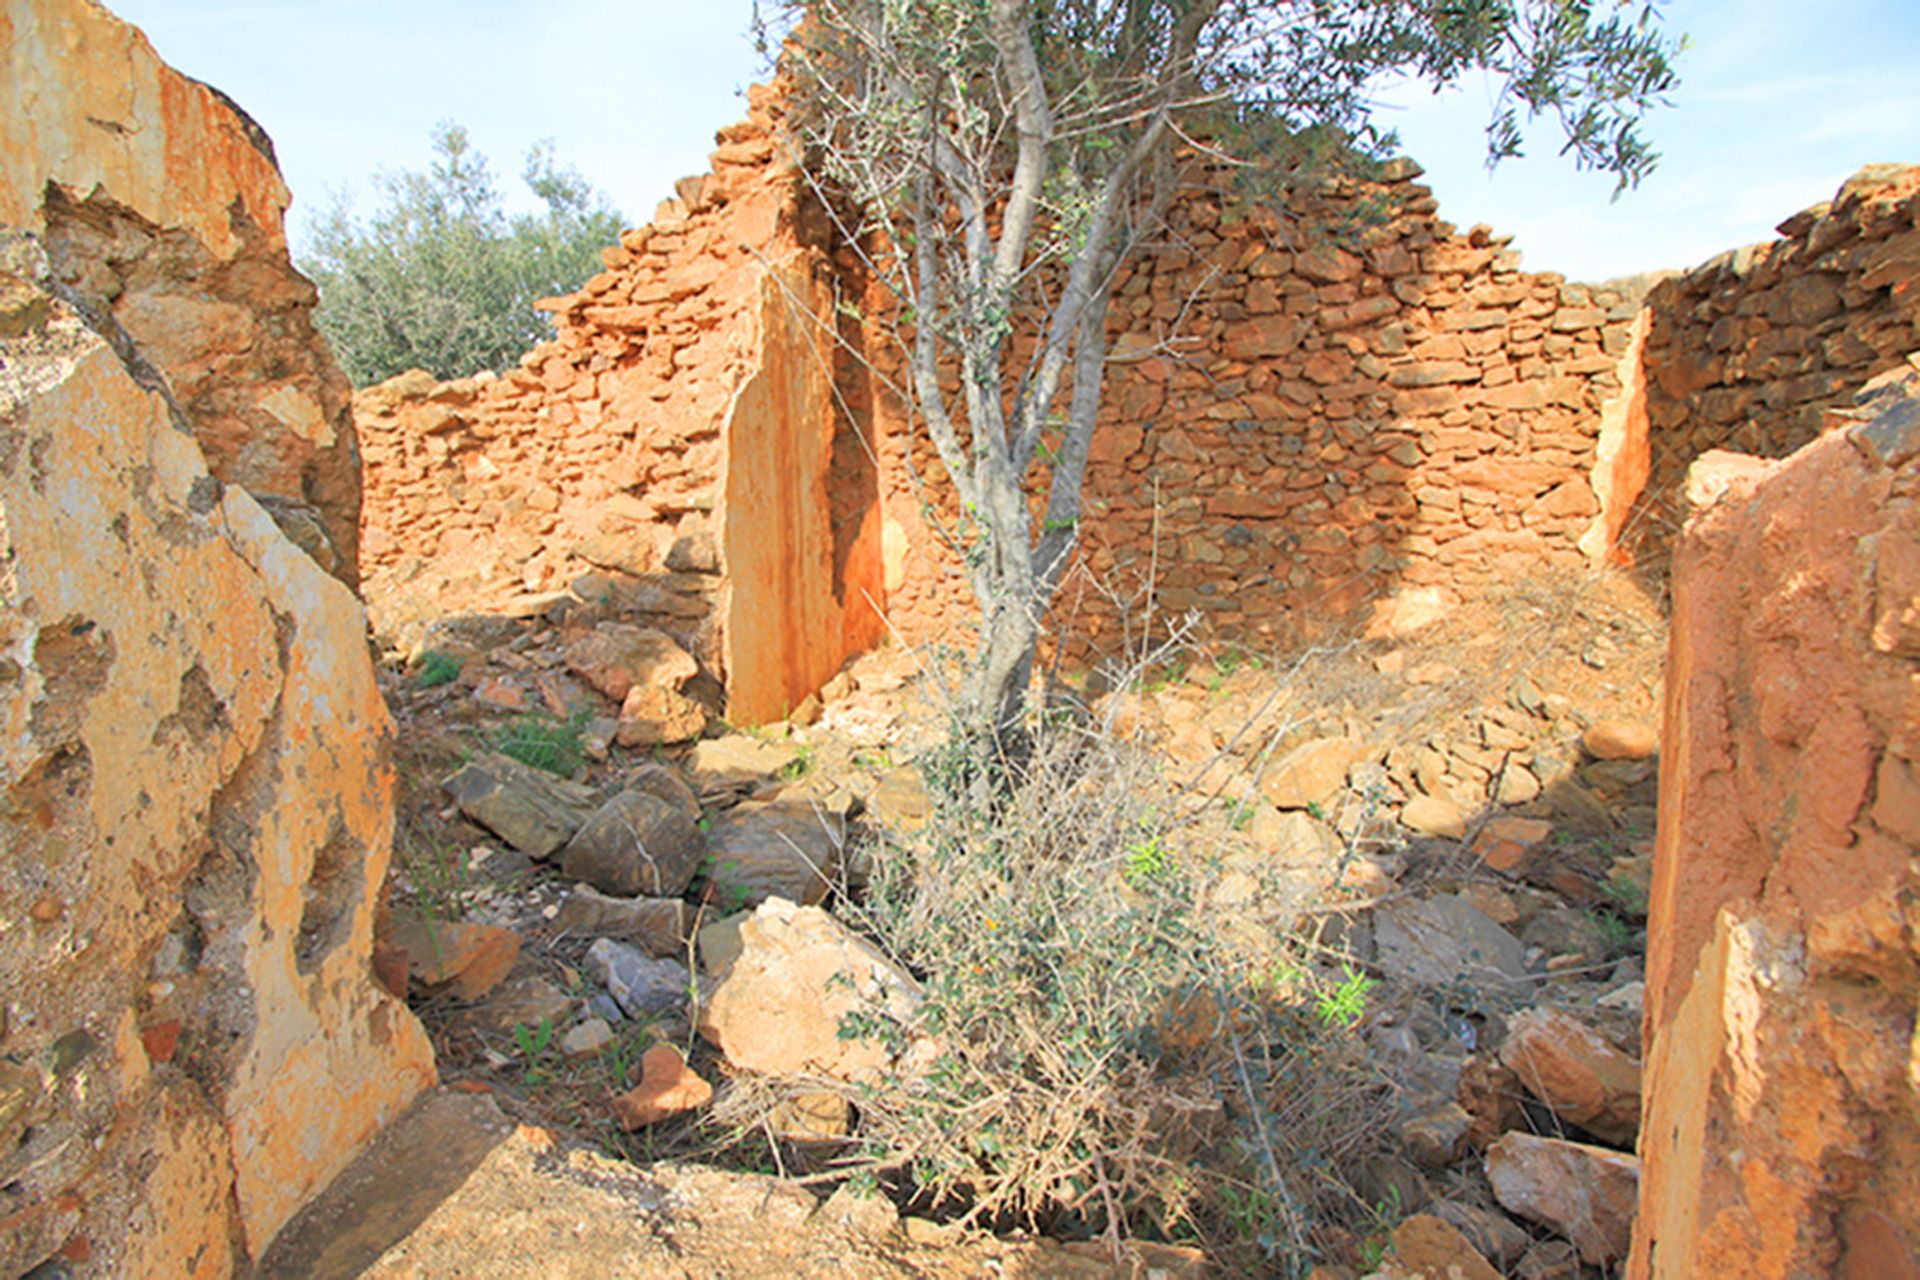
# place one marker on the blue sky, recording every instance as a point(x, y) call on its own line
point(1780, 101)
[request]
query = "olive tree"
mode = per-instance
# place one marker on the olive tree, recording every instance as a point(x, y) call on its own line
point(442, 278)
point(1010, 154)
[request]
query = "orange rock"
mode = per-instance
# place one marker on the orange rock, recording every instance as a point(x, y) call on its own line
point(1509, 844)
point(1571, 1067)
point(1620, 740)
point(161, 1039)
point(1586, 1194)
point(1425, 1246)
point(460, 959)
point(667, 1087)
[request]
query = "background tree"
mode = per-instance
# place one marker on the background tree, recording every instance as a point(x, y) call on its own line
point(442, 278)
point(1003, 157)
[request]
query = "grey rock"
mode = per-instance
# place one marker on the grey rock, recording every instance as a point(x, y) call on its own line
point(719, 943)
point(643, 987)
point(636, 843)
point(523, 1002)
point(657, 926)
point(585, 1039)
point(778, 850)
point(530, 809)
point(1445, 941)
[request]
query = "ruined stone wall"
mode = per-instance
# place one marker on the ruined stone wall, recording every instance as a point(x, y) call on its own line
point(1747, 351)
point(674, 453)
point(1311, 405)
point(161, 205)
point(198, 805)
point(1783, 975)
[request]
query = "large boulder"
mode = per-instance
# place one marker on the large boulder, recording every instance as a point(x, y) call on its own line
point(806, 997)
point(198, 783)
point(1783, 971)
point(162, 206)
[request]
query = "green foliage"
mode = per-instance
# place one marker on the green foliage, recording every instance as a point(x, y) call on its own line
point(437, 667)
point(1627, 894)
point(534, 1044)
point(1148, 862)
point(441, 278)
point(1621, 937)
point(543, 741)
point(1343, 1005)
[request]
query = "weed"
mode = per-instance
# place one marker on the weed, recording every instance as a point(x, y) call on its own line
point(436, 667)
point(801, 764)
point(1148, 862)
point(1627, 894)
point(725, 892)
point(535, 1044)
point(1621, 936)
point(1377, 1242)
point(543, 741)
point(1344, 1005)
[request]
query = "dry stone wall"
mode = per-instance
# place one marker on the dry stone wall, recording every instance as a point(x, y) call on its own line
point(194, 757)
point(673, 454)
point(1749, 350)
point(1313, 403)
point(1783, 976)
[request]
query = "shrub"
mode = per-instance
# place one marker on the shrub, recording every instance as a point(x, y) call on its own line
point(437, 667)
point(543, 741)
point(1113, 1059)
point(442, 278)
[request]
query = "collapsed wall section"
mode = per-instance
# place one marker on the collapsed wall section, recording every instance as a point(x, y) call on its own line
point(681, 452)
point(161, 205)
point(1783, 977)
point(1748, 351)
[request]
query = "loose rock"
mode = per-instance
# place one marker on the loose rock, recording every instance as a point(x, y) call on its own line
point(636, 843)
point(1620, 740)
point(529, 808)
point(657, 926)
point(781, 1006)
point(585, 1039)
point(644, 987)
point(667, 1088)
point(777, 850)
point(1584, 1193)
point(1445, 940)
point(1570, 1067)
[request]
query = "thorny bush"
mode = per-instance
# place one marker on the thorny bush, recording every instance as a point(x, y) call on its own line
point(1116, 1059)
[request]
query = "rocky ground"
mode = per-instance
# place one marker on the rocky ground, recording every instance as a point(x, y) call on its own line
point(605, 909)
